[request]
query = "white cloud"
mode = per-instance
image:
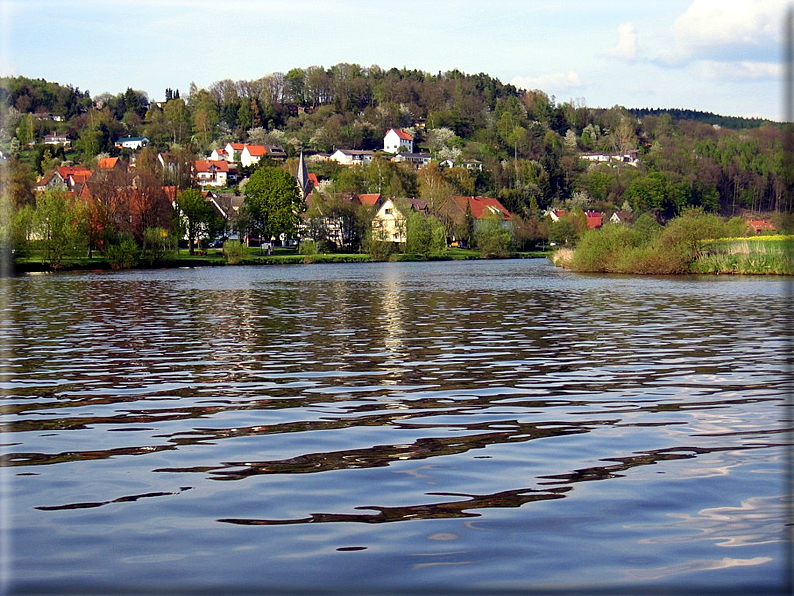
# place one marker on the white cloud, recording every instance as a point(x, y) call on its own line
point(715, 29)
point(627, 43)
point(741, 71)
point(558, 81)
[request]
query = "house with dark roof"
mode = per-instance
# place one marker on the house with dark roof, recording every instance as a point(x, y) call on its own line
point(352, 157)
point(131, 142)
point(417, 160)
point(56, 139)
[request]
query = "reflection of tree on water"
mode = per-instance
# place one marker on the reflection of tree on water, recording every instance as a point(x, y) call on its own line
point(444, 510)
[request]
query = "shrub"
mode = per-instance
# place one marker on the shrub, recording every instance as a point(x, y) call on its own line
point(493, 239)
point(605, 250)
point(234, 251)
point(123, 254)
point(307, 247)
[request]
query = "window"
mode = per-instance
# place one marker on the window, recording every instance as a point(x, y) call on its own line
point(387, 211)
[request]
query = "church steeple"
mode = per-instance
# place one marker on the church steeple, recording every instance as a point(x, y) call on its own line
point(302, 177)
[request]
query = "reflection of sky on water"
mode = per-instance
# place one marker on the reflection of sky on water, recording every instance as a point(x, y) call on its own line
point(658, 573)
point(758, 520)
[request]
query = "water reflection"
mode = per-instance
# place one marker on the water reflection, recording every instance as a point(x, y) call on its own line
point(300, 398)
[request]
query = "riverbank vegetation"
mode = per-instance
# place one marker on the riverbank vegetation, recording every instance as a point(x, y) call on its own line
point(695, 242)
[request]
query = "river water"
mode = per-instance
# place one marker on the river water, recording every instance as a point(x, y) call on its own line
point(453, 427)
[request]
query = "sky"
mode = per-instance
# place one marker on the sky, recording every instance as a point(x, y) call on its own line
point(720, 56)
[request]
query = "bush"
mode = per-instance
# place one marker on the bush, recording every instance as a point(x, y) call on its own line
point(123, 254)
point(493, 239)
point(605, 250)
point(307, 247)
point(158, 244)
point(234, 251)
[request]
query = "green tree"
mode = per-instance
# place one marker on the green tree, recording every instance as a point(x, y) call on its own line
point(493, 238)
point(424, 235)
point(563, 232)
point(273, 202)
point(59, 223)
point(198, 216)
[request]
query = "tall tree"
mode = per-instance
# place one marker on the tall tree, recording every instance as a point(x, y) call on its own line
point(198, 216)
point(59, 222)
point(273, 202)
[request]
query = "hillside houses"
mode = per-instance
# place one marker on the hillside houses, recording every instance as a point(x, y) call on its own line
point(247, 155)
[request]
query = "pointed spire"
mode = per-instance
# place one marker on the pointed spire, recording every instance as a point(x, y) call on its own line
point(302, 177)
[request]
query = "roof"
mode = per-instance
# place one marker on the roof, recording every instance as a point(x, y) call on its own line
point(66, 171)
point(108, 163)
point(369, 200)
point(205, 165)
point(256, 150)
point(482, 207)
point(594, 219)
point(237, 146)
point(80, 177)
point(401, 134)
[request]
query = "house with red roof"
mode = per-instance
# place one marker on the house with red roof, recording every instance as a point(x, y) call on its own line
point(761, 226)
point(594, 219)
point(108, 163)
point(397, 141)
point(252, 154)
point(213, 172)
point(370, 199)
point(481, 209)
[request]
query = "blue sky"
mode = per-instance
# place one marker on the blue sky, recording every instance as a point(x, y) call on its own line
point(713, 55)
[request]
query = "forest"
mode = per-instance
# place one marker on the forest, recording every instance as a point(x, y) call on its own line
point(525, 146)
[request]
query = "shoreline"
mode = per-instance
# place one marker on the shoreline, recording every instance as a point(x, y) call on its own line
point(17, 269)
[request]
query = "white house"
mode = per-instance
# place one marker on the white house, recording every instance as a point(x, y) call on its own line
point(349, 157)
point(233, 151)
point(131, 142)
point(212, 172)
point(397, 140)
point(56, 139)
point(251, 154)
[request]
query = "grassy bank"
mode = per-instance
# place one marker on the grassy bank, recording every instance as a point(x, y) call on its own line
point(35, 262)
point(762, 255)
point(695, 242)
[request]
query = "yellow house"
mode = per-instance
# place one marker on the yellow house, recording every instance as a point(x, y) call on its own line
point(389, 223)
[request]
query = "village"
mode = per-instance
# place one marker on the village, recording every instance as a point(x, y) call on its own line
point(220, 177)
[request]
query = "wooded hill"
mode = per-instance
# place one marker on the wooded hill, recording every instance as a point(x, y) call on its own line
point(530, 146)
